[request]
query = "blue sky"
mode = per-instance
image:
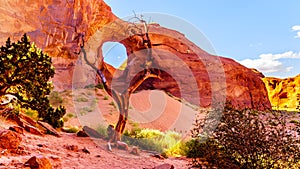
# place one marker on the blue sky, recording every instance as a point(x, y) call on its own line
point(264, 34)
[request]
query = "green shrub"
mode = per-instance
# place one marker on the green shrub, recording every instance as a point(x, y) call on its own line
point(55, 98)
point(54, 117)
point(169, 142)
point(253, 139)
point(81, 99)
point(85, 110)
point(143, 143)
point(72, 129)
point(70, 115)
point(102, 130)
point(112, 104)
point(25, 72)
point(105, 98)
point(99, 86)
point(90, 86)
point(31, 113)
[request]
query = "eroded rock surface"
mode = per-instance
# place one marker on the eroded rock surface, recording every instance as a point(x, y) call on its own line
point(283, 93)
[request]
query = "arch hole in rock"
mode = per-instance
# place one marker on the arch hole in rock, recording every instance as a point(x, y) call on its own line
point(115, 54)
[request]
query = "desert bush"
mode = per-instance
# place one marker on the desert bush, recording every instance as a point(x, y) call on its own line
point(253, 139)
point(70, 115)
point(71, 129)
point(168, 143)
point(99, 86)
point(102, 130)
point(55, 98)
point(54, 117)
point(25, 72)
point(208, 153)
point(81, 99)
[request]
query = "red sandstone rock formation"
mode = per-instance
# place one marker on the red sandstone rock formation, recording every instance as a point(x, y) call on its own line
point(284, 94)
point(187, 71)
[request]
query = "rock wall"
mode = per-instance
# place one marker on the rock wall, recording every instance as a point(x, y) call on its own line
point(284, 94)
point(187, 71)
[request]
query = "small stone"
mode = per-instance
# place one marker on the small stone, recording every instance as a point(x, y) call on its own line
point(81, 133)
point(55, 158)
point(28, 119)
point(38, 162)
point(40, 145)
point(18, 120)
point(49, 128)
point(135, 150)
point(164, 166)
point(17, 129)
point(9, 139)
point(122, 145)
point(33, 130)
point(159, 156)
point(71, 147)
point(85, 150)
point(91, 132)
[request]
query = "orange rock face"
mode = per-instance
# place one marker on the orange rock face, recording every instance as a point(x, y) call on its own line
point(284, 94)
point(187, 71)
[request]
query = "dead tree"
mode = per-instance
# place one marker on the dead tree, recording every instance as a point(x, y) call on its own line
point(122, 97)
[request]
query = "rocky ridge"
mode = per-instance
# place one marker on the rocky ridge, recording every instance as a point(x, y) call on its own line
point(284, 93)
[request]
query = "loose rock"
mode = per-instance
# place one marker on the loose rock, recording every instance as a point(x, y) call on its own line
point(17, 129)
point(91, 132)
point(38, 162)
point(9, 139)
point(71, 147)
point(49, 128)
point(135, 151)
point(85, 150)
point(122, 145)
point(164, 166)
point(82, 133)
point(33, 130)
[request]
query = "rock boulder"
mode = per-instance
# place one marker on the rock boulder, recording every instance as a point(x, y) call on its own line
point(9, 139)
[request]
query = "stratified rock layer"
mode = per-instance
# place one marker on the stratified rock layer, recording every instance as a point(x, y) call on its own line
point(188, 72)
point(284, 94)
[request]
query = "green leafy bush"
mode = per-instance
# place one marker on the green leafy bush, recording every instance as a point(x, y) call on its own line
point(208, 153)
point(105, 98)
point(55, 98)
point(81, 99)
point(252, 139)
point(102, 130)
point(170, 143)
point(25, 72)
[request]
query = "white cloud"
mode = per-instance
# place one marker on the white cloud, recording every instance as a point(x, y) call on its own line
point(297, 29)
point(288, 69)
point(268, 63)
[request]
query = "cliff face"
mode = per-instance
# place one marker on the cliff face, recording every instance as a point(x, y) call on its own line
point(54, 25)
point(284, 94)
point(60, 27)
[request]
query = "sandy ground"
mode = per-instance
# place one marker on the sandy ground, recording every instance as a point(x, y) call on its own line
point(147, 109)
point(55, 149)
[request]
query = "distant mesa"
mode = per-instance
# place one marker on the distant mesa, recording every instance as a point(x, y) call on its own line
point(284, 94)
